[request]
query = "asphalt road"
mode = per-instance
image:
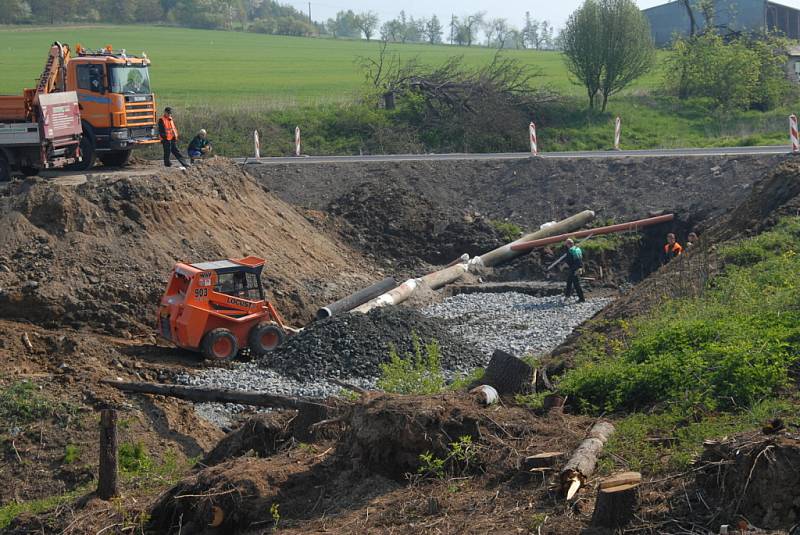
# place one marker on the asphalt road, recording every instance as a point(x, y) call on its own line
point(653, 153)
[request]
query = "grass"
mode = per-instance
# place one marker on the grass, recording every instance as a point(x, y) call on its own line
point(193, 67)
point(232, 83)
point(12, 510)
point(702, 367)
point(726, 350)
point(668, 442)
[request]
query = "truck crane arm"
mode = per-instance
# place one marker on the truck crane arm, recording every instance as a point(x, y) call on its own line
point(53, 76)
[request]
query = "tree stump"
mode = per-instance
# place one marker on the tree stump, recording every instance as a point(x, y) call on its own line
point(107, 477)
point(616, 505)
point(554, 403)
point(508, 374)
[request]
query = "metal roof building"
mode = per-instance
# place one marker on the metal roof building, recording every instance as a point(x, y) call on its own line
point(670, 19)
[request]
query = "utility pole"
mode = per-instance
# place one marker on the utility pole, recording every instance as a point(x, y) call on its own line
point(309, 14)
point(452, 26)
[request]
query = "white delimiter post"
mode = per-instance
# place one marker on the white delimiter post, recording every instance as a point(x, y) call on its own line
point(256, 144)
point(617, 132)
point(297, 141)
point(534, 144)
point(793, 133)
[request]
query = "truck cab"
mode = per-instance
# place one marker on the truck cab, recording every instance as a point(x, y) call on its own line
point(118, 108)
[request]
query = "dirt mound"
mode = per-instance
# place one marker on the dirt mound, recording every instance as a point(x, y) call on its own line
point(98, 254)
point(774, 196)
point(354, 345)
point(367, 465)
point(389, 220)
point(754, 476)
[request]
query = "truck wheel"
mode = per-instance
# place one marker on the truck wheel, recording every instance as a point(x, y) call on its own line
point(5, 169)
point(220, 344)
point(88, 154)
point(264, 338)
point(115, 158)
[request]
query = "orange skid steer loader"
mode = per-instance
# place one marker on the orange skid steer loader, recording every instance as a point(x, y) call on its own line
point(219, 308)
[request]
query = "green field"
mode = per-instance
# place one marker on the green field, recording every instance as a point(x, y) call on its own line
point(196, 66)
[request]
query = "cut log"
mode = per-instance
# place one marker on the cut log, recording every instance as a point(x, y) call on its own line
point(508, 374)
point(582, 463)
point(554, 403)
point(309, 411)
point(616, 505)
point(548, 459)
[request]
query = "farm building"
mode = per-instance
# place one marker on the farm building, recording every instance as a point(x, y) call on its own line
point(672, 18)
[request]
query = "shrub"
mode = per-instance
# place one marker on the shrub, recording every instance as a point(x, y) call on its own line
point(510, 231)
point(419, 372)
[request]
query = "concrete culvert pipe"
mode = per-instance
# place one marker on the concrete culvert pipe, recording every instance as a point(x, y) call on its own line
point(356, 299)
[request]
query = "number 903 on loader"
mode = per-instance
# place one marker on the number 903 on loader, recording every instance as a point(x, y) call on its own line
point(218, 308)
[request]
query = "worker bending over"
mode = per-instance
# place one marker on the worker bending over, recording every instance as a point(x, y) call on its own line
point(199, 146)
point(168, 133)
point(672, 249)
point(574, 260)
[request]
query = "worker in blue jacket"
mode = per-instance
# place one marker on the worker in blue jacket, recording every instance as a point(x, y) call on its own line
point(574, 260)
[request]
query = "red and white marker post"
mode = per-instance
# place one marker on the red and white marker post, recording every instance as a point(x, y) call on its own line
point(256, 144)
point(793, 133)
point(297, 141)
point(617, 132)
point(534, 144)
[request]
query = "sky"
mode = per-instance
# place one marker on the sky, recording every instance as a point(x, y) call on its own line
point(554, 11)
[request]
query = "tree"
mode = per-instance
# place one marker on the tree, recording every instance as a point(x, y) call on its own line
point(497, 32)
point(13, 11)
point(433, 30)
point(392, 30)
point(468, 29)
point(530, 32)
point(367, 22)
point(607, 45)
point(344, 25)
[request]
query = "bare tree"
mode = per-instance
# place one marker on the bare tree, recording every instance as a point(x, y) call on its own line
point(367, 22)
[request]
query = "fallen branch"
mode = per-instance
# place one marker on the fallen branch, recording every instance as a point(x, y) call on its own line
point(582, 463)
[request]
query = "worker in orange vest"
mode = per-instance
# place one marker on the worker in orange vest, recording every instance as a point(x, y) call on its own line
point(672, 249)
point(169, 138)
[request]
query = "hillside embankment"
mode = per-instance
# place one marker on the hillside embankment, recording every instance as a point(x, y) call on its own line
point(535, 190)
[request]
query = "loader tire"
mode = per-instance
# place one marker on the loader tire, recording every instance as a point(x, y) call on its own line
point(220, 345)
point(264, 338)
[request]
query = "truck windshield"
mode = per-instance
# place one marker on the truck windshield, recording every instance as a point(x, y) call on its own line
point(131, 80)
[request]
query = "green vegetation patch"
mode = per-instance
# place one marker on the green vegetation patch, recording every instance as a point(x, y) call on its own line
point(726, 350)
point(419, 372)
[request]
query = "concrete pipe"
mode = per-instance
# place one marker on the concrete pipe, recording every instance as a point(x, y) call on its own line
point(527, 245)
point(445, 276)
point(506, 253)
point(392, 297)
point(356, 299)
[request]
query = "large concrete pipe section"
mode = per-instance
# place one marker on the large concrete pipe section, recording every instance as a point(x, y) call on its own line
point(524, 246)
point(392, 297)
point(357, 299)
point(445, 276)
point(506, 253)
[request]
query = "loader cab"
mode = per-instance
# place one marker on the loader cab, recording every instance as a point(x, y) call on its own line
point(235, 278)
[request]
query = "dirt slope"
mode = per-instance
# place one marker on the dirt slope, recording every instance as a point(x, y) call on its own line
point(98, 254)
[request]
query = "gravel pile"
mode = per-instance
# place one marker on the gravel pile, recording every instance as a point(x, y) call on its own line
point(354, 345)
point(517, 323)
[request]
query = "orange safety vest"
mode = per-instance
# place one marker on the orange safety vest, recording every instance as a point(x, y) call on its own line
point(170, 130)
point(676, 250)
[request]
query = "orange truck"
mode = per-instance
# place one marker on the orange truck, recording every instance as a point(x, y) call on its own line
point(117, 107)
